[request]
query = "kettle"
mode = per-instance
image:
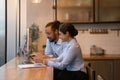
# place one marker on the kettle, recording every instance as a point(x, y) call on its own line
point(94, 50)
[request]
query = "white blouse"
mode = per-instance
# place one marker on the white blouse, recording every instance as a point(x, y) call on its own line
point(71, 58)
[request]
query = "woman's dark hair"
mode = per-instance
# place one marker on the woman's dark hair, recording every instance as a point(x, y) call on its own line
point(54, 25)
point(67, 27)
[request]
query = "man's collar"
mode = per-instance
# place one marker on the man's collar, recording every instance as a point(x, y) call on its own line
point(59, 41)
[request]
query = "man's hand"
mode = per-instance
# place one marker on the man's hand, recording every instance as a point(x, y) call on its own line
point(36, 58)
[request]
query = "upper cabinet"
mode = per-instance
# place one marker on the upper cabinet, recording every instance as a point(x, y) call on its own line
point(87, 11)
point(74, 11)
point(107, 10)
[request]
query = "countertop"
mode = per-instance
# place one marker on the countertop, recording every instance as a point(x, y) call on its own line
point(11, 71)
point(102, 57)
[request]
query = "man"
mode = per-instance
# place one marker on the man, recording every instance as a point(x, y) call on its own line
point(54, 45)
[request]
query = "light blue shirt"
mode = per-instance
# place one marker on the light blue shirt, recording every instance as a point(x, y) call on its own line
point(71, 58)
point(54, 49)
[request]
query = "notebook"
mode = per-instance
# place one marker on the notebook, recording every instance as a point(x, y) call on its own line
point(35, 65)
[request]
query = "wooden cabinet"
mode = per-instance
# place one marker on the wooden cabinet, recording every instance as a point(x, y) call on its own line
point(74, 11)
point(106, 69)
point(87, 11)
point(116, 69)
point(107, 11)
point(103, 69)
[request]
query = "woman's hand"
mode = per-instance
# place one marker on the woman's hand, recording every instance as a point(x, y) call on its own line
point(45, 61)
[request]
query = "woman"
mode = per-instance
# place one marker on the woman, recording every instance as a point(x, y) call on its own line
point(69, 65)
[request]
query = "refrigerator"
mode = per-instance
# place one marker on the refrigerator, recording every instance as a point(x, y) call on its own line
point(2, 32)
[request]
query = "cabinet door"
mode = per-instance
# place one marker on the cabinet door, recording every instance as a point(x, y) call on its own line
point(107, 10)
point(117, 70)
point(75, 11)
point(103, 69)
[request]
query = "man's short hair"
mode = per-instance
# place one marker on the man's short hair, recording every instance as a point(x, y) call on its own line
point(54, 25)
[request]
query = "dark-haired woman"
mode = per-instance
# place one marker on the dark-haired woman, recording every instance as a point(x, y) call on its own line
point(70, 62)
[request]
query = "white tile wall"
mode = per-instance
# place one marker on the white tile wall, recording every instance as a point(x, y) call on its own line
point(110, 42)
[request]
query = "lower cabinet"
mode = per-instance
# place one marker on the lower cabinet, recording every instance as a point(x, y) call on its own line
point(106, 69)
point(103, 69)
point(116, 69)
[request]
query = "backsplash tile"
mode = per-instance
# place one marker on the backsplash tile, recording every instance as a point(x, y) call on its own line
point(99, 26)
point(110, 42)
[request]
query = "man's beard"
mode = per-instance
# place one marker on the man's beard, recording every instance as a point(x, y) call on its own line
point(52, 40)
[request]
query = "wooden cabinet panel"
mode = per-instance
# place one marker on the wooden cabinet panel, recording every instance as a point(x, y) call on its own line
point(107, 11)
point(74, 11)
point(116, 69)
point(87, 11)
point(103, 69)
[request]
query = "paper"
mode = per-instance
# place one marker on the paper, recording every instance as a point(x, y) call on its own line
point(36, 65)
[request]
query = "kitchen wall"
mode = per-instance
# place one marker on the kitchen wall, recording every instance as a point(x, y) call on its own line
point(108, 41)
point(42, 13)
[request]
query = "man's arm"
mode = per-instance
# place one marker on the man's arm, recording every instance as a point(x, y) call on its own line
point(48, 49)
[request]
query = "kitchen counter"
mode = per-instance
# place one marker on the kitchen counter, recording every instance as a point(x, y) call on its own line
point(11, 71)
point(102, 57)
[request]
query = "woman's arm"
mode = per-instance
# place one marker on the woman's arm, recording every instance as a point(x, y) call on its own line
point(67, 58)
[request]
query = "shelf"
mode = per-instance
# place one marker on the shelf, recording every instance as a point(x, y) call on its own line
point(76, 22)
point(72, 7)
point(110, 7)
